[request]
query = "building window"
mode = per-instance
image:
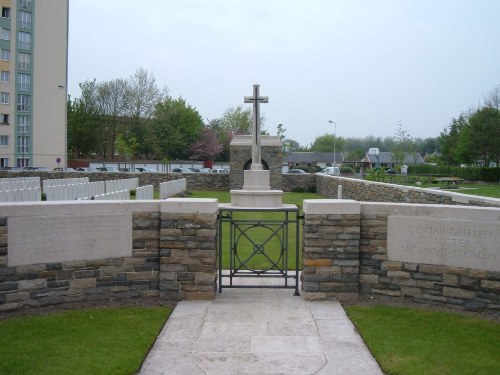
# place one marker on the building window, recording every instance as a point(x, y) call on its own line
point(4, 140)
point(4, 162)
point(5, 12)
point(4, 98)
point(4, 119)
point(23, 103)
point(23, 145)
point(5, 34)
point(25, 4)
point(24, 61)
point(5, 55)
point(23, 124)
point(24, 40)
point(24, 82)
point(25, 20)
point(5, 76)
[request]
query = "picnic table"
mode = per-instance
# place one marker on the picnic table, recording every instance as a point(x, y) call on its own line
point(451, 182)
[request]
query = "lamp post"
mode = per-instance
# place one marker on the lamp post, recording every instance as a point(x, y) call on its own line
point(334, 143)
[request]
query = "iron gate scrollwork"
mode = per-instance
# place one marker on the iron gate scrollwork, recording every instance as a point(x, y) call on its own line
point(252, 246)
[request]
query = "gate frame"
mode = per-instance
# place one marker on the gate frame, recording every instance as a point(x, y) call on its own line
point(226, 216)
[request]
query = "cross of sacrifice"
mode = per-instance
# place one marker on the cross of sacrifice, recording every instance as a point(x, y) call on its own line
point(256, 149)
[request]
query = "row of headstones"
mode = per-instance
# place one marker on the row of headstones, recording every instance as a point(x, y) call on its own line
point(96, 189)
point(21, 190)
point(172, 188)
point(18, 183)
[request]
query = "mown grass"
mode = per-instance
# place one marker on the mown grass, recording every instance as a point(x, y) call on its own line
point(88, 341)
point(407, 341)
point(260, 234)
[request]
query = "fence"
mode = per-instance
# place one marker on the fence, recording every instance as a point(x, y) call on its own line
point(74, 191)
point(113, 196)
point(21, 189)
point(125, 184)
point(63, 182)
point(171, 188)
point(144, 192)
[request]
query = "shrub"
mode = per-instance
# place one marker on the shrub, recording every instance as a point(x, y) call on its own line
point(345, 169)
point(297, 189)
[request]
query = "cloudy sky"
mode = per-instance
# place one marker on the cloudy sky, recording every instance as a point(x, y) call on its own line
point(364, 64)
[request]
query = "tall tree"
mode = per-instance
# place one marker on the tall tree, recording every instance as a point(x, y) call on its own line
point(176, 127)
point(403, 143)
point(484, 135)
point(327, 142)
point(238, 120)
point(449, 139)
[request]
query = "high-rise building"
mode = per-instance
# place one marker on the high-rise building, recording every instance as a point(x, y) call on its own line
point(33, 82)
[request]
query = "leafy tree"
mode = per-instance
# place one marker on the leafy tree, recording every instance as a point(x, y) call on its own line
point(238, 120)
point(176, 127)
point(326, 143)
point(127, 147)
point(292, 145)
point(483, 138)
point(449, 140)
point(493, 98)
point(83, 121)
point(281, 132)
point(208, 146)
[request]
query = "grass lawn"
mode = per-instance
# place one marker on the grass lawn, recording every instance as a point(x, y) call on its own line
point(260, 234)
point(88, 341)
point(408, 341)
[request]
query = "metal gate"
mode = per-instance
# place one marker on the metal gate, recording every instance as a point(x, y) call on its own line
point(259, 243)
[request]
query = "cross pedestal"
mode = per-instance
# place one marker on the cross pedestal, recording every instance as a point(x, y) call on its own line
point(256, 190)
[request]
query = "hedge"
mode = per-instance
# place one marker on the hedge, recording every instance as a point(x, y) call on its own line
point(468, 173)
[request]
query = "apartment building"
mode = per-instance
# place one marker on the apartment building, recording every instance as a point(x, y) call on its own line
point(33, 82)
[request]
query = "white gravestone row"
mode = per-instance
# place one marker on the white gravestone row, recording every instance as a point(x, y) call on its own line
point(21, 189)
point(171, 188)
point(144, 192)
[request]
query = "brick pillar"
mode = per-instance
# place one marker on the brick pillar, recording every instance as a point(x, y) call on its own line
point(331, 249)
point(188, 239)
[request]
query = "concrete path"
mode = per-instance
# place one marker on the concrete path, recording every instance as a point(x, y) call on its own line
point(259, 331)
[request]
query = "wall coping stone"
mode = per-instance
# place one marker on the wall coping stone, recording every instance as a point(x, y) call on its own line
point(331, 206)
point(455, 196)
point(190, 205)
point(436, 211)
point(77, 207)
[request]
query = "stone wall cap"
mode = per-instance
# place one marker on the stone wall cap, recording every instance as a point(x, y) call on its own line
point(265, 140)
point(190, 205)
point(331, 206)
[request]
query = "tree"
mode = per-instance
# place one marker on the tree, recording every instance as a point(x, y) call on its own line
point(493, 98)
point(127, 147)
point(326, 143)
point(449, 140)
point(176, 126)
point(238, 120)
point(83, 121)
point(281, 132)
point(483, 138)
point(403, 144)
point(292, 145)
point(144, 95)
point(208, 146)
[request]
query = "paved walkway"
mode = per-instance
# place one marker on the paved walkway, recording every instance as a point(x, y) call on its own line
point(259, 331)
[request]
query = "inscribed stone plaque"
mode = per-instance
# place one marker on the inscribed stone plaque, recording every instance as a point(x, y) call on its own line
point(48, 239)
point(449, 242)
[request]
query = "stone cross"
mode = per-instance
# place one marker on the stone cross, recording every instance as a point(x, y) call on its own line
point(256, 149)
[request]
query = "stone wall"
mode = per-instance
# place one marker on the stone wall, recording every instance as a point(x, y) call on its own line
point(331, 250)
point(370, 191)
point(64, 267)
point(441, 255)
point(295, 181)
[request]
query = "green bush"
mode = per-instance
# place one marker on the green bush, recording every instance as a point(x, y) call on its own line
point(311, 189)
point(297, 189)
point(345, 169)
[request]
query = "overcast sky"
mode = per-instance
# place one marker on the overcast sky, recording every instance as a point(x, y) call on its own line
point(365, 64)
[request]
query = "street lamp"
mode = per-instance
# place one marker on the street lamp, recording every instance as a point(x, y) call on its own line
point(334, 143)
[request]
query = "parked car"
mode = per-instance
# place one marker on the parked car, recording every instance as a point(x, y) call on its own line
point(38, 169)
point(205, 170)
point(144, 169)
point(219, 170)
point(107, 169)
point(12, 169)
point(390, 171)
point(298, 171)
point(62, 169)
point(182, 170)
point(86, 169)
